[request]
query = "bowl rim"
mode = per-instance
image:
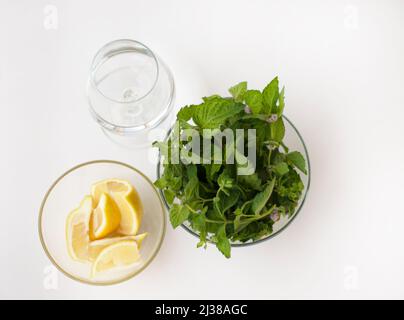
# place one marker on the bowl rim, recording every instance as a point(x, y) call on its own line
point(53, 260)
point(272, 235)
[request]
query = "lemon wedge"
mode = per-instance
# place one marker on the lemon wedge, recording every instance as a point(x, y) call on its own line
point(77, 230)
point(126, 198)
point(98, 245)
point(105, 218)
point(120, 254)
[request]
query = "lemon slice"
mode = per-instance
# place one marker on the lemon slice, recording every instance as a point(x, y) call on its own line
point(105, 218)
point(98, 245)
point(120, 254)
point(127, 199)
point(77, 230)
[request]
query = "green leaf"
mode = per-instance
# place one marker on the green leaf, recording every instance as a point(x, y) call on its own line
point(161, 183)
point(281, 105)
point(222, 242)
point(169, 195)
point(230, 200)
point(297, 160)
point(186, 113)
point(175, 183)
point(224, 201)
point(237, 220)
point(238, 91)
point(278, 130)
point(213, 113)
point(178, 214)
point(211, 97)
point(270, 96)
point(261, 199)
point(213, 169)
point(253, 99)
point(281, 169)
point(251, 181)
point(192, 187)
point(225, 181)
point(198, 222)
point(171, 178)
point(192, 171)
point(238, 212)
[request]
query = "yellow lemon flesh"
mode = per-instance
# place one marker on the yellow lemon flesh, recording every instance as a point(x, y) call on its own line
point(105, 218)
point(120, 254)
point(126, 198)
point(98, 245)
point(77, 230)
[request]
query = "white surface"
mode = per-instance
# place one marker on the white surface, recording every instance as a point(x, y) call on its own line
point(342, 64)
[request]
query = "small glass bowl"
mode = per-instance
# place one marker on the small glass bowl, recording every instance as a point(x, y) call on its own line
point(65, 195)
point(295, 142)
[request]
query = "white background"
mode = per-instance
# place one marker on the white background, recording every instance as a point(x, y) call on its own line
point(342, 64)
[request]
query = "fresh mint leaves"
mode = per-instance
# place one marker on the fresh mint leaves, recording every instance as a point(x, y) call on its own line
point(238, 91)
point(178, 214)
point(270, 96)
point(212, 198)
point(253, 99)
point(222, 242)
point(297, 160)
point(213, 112)
point(261, 199)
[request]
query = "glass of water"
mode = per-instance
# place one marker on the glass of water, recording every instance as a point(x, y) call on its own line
point(130, 91)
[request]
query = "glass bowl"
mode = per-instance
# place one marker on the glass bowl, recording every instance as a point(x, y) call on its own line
point(65, 195)
point(295, 142)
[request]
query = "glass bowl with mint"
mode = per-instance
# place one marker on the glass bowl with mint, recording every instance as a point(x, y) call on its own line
point(234, 171)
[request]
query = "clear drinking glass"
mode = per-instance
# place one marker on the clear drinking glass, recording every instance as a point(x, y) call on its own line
point(130, 91)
